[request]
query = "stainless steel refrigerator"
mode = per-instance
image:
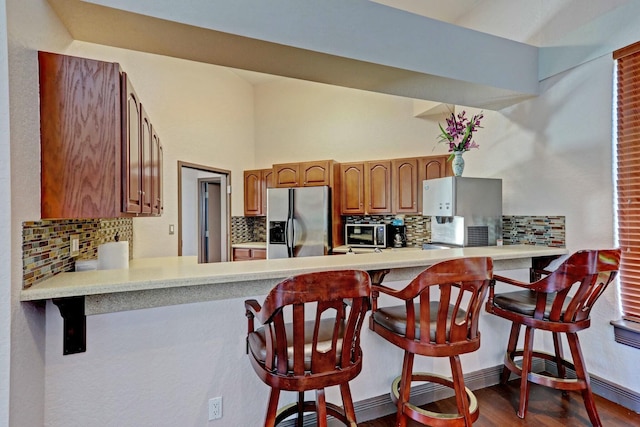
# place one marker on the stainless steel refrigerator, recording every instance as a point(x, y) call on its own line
point(298, 222)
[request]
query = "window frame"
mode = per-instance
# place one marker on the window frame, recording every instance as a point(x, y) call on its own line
point(627, 190)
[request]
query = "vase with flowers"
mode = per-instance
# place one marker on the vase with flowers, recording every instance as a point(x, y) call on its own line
point(459, 135)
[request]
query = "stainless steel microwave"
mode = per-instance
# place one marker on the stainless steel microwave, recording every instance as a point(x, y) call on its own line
point(365, 235)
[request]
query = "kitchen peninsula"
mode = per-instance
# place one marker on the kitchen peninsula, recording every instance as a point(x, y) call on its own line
point(156, 282)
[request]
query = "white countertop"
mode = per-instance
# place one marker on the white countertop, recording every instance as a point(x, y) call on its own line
point(152, 282)
point(250, 245)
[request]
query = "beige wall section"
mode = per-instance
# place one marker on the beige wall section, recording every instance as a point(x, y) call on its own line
point(203, 114)
point(298, 120)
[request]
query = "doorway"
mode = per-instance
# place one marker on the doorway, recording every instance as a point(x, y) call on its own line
point(204, 212)
point(209, 220)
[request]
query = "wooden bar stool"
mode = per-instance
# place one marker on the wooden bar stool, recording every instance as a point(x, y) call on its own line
point(320, 347)
point(559, 303)
point(445, 327)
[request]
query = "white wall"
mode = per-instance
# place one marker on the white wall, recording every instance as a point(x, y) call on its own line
point(5, 220)
point(30, 25)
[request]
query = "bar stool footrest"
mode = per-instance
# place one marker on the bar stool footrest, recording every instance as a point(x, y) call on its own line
point(422, 415)
point(310, 406)
point(542, 379)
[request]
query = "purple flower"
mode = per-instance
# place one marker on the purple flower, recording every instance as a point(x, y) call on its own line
point(459, 132)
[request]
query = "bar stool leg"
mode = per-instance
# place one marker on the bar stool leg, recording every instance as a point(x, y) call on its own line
point(582, 374)
point(527, 358)
point(347, 403)
point(272, 408)
point(321, 407)
point(300, 408)
point(458, 385)
point(405, 388)
point(511, 348)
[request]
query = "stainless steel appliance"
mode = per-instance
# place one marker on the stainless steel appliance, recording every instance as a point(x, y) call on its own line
point(365, 235)
point(298, 222)
point(397, 236)
point(465, 211)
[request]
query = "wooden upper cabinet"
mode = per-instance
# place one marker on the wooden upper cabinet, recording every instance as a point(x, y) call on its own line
point(253, 192)
point(96, 142)
point(267, 182)
point(377, 187)
point(286, 175)
point(405, 183)
point(132, 153)
point(156, 179)
point(146, 168)
point(304, 174)
point(316, 173)
point(256, 183)
point(433, 167)
point(430, 168)
point(352, 188)
point(81, 137)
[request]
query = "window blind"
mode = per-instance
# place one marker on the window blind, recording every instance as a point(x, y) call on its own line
point(628, 176)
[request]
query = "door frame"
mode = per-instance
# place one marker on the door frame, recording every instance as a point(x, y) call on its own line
point(226, 172)
point(204, 243)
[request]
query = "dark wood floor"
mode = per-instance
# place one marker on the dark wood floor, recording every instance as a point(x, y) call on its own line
point(547, 408)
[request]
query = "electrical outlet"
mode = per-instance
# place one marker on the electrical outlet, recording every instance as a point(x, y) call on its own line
point(74, 245)
point(215, 408)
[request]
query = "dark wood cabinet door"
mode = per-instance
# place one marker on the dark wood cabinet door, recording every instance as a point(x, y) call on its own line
point(81, 136)
point(378, 187)
point(405, 185)
point(267, 182)
point(352, 188)
point(97, 143)
point(253, 192)
point(286, 175)
point(156, 177)
point(131, 122)
point(246, 254)
point(316, 173)
point(146, 162)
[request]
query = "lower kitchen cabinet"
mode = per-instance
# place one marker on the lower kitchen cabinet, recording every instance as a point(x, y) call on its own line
point(249, 254)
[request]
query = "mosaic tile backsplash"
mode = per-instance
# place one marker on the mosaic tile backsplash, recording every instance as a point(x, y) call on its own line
point(45, 244)
point(248, 229)
point(534, 230)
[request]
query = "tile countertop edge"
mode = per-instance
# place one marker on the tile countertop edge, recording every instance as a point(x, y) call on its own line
point(149, 274)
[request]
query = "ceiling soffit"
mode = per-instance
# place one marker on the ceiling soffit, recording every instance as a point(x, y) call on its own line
point(124, 29)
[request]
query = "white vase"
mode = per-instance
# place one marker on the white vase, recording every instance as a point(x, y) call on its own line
point(457, 163)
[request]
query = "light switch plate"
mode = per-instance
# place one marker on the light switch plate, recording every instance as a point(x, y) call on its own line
point(74, 245)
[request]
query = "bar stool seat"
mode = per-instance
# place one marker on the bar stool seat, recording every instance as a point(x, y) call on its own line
point(444, 327)
point(317, 347)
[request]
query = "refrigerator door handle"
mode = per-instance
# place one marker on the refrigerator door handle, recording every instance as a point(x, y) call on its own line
point(289, 236)
point(289, 227)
